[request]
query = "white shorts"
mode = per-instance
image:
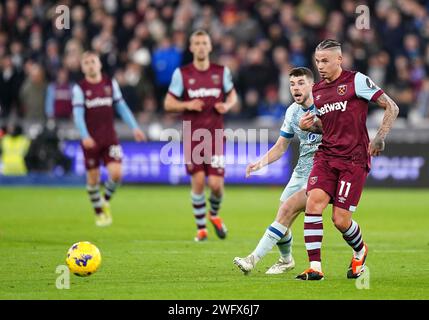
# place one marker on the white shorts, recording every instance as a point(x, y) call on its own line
point(296, 183)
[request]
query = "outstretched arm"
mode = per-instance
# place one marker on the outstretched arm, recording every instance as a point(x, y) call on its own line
point(275, 153)
point(391, 111)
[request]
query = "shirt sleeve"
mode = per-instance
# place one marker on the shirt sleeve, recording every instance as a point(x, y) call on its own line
point(286, 130)
point(79, 121)
point(78, 102)
point(78, 99)
point(228, 85)
point(126, 114)
point(365, 88)
point(50, 101)
point(117, 94)
point(176, 86)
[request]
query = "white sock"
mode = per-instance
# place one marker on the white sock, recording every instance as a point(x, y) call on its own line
point(272, 235)
point(316, 265)
point(359, 255)
point(285, 246)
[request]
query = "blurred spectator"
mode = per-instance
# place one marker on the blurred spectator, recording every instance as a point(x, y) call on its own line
point(58, 102)
point(423, 100)
point(311, 13)
point(10, 82)
point(403, 94)
point(257, 74)
point(33, 93)
point(166, 58)
point(251, 102)
point(52, 60)
point(128, 92)
point(44, 154)
point(140, 79)
point(14, 147)
point(392, 32)
point(271, 108)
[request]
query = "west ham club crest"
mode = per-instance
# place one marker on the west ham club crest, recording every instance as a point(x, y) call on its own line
point(342, 89)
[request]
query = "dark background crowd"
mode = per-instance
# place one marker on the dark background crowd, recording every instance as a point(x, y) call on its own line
point(141, 43)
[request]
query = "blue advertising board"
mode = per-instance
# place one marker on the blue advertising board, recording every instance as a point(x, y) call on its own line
point(157, 162)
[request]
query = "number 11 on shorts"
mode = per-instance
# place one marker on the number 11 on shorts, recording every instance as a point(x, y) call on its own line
point(348, 185)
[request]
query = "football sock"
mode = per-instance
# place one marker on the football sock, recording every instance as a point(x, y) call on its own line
point(313, 235)
point(215, 202)
point(95, 197)
point(353, 237)
point(199, 208)
point(272, 235)
point(285, 246)
point(110, 187)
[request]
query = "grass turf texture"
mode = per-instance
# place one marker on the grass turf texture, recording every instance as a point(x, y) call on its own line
point(149, 253)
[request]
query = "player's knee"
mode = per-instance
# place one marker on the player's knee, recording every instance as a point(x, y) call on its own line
point(314, 206)
point(216, 189)
point(116, 176)
point(341, 223)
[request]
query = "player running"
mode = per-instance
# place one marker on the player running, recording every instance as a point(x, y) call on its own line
point(203, 91)
point(342, 162)
point(93, 101)
point(293, 198)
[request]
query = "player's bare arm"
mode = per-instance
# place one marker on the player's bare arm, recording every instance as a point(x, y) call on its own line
point(231, 100)
point(274, 154)
point(391, 112)
point(172, 104)
point(139, 135)
point(88, 143)
point(309, 122)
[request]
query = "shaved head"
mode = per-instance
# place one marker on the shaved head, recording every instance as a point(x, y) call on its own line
point(329, 44)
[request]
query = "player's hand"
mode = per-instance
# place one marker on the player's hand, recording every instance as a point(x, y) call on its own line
point(195, 105)
point(139, 135)
point(252, 167)
point(88, 143)
point(306, 121)
point(221, 107)
point(376, 146)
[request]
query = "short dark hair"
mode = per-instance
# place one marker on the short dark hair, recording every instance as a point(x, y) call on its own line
point(301, 71)
point(328, 44)
point(199, 32)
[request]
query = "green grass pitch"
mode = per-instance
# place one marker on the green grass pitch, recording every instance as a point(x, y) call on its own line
point(149, 253)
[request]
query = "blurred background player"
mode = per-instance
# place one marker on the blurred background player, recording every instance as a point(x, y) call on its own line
point(342, 162)
point(293, 198)
point(93, 101)
point(203, 91)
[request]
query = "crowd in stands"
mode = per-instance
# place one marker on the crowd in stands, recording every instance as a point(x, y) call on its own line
point(141, 42)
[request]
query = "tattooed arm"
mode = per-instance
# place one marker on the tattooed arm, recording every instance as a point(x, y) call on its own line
point(309, 122)
point(391, 111)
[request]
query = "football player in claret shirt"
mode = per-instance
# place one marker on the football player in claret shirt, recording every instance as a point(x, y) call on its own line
point(95, 100)
point(203, 92)
point(342, 161)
